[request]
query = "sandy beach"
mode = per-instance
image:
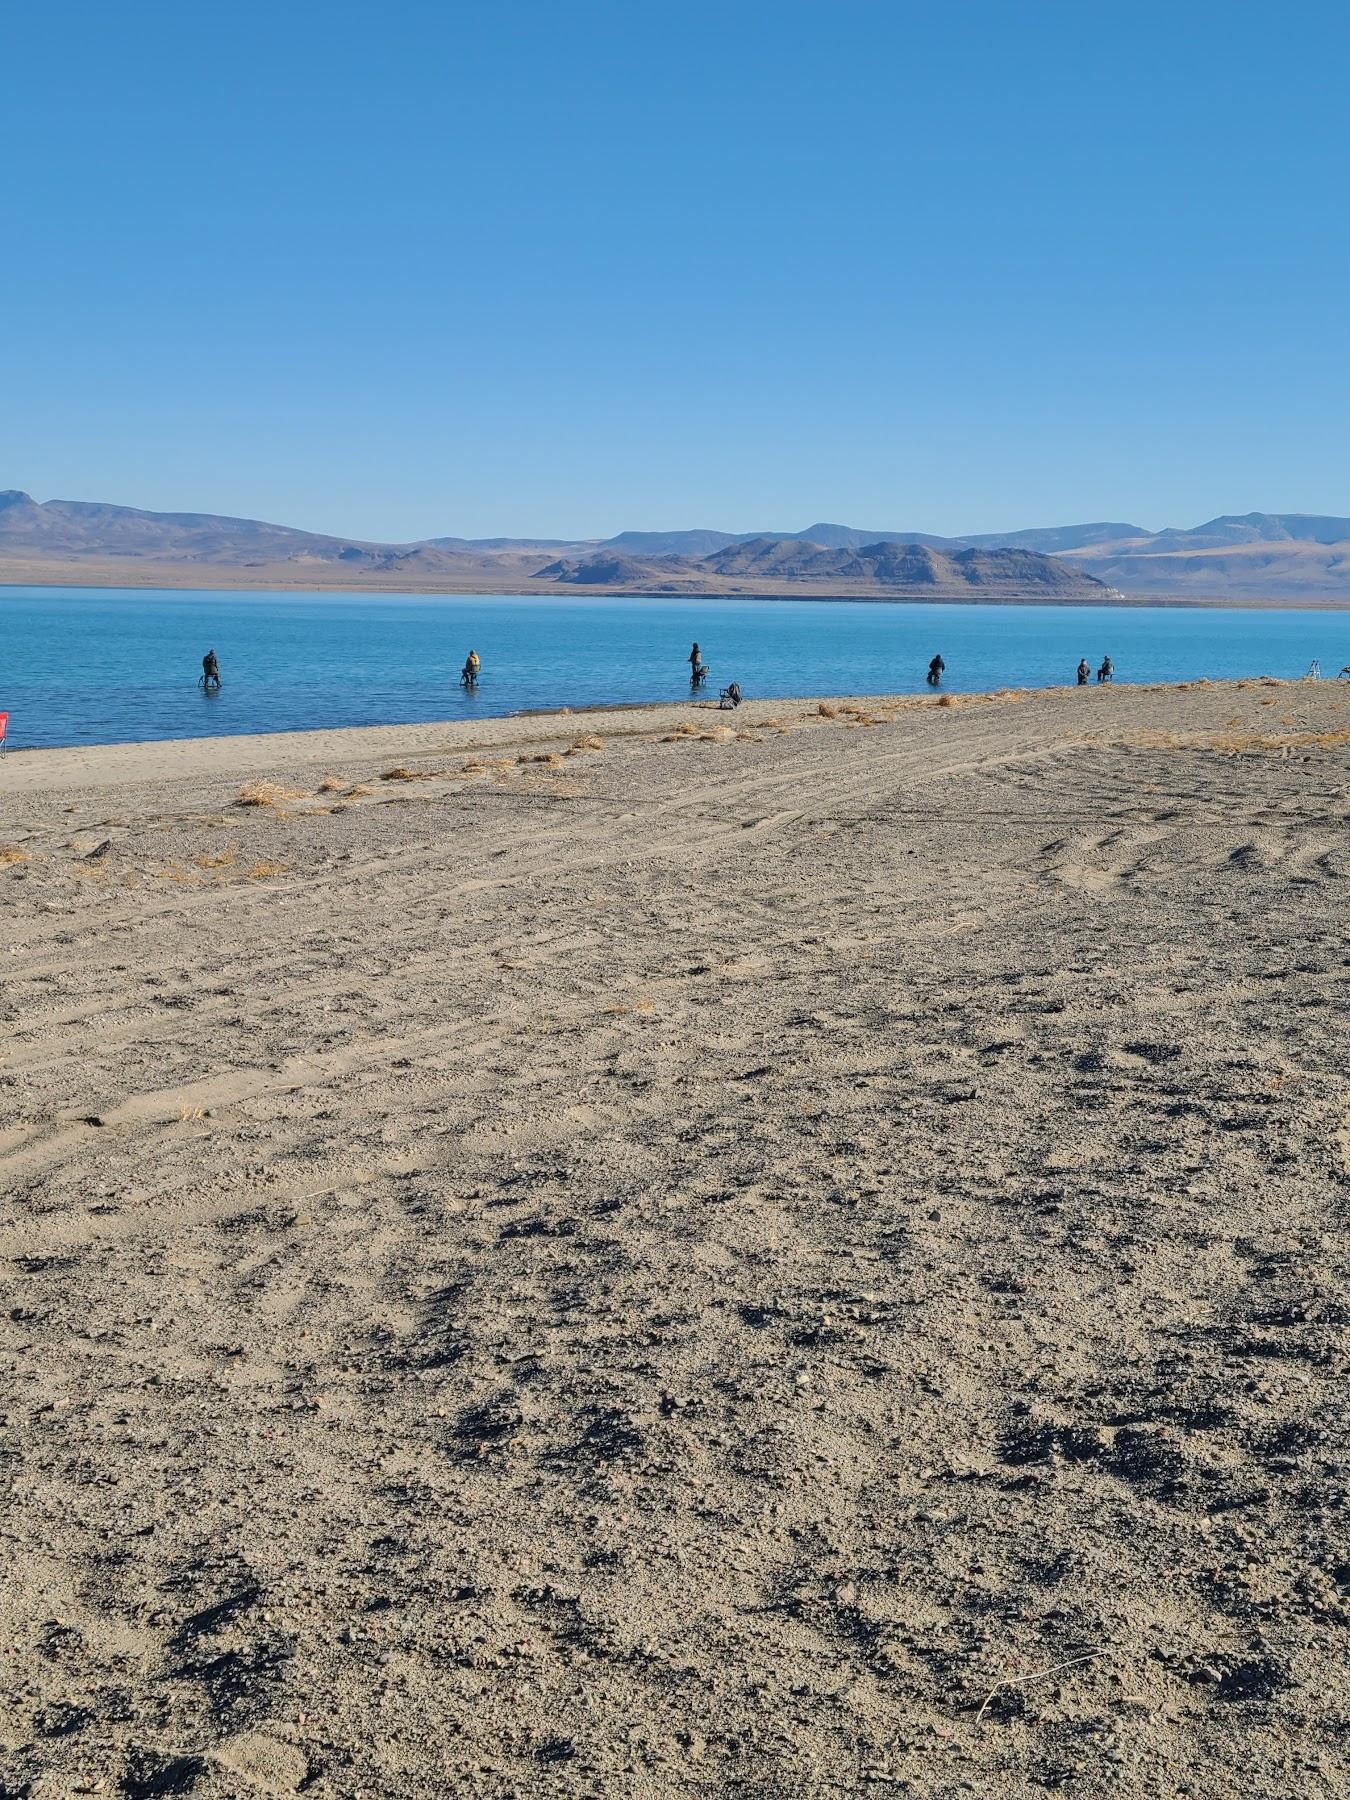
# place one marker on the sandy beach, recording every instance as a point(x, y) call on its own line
point(665, 1252)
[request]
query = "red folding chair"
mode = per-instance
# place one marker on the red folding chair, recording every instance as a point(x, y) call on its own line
point(4, 727)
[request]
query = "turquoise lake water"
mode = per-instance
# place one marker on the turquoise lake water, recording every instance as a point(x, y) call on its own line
point(109, 666)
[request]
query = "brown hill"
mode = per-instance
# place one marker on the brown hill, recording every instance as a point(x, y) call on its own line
point(77, 531)
point(897, 568)
point(610, 570)
point(75, 528)
point(917, 568)
point(1254, 556)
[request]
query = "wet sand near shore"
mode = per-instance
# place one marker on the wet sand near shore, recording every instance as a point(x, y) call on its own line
point(668, 1252)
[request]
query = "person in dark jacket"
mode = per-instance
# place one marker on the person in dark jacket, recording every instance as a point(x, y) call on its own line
point(210, 670)
point(1084, 670)
point(935, 670)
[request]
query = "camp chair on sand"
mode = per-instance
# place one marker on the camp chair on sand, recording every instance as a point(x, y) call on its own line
point(4, 727)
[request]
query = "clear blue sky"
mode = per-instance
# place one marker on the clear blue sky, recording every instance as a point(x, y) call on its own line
point(407, 269)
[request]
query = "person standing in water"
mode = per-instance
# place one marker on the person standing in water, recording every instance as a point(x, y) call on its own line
point(935, 670)
point(210, 670)
point(1084, 670)
point(469, 674)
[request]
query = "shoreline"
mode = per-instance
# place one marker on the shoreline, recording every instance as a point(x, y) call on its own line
point(248, 751)
point(40, 767)
point(170, 581)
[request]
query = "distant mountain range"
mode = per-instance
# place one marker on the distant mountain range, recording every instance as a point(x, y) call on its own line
point(848, 537)
point(86, 530)
point(894, 568)
point(1255, 556)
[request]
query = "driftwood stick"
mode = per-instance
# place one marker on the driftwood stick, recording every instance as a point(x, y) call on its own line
point(1037, 1675)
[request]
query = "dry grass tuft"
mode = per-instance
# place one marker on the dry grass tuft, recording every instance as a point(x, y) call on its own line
point(1154, 740)
point(827, 711)
point(224, 859)
point(700, 734)
point(947, 700)
point(1240, 743)
point(10, 854)
point(1236, 742)
point(359, 791)
point(263, 871)
point(266, 793)
point(586, 743)
point(400, 774)
point(332, 784)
